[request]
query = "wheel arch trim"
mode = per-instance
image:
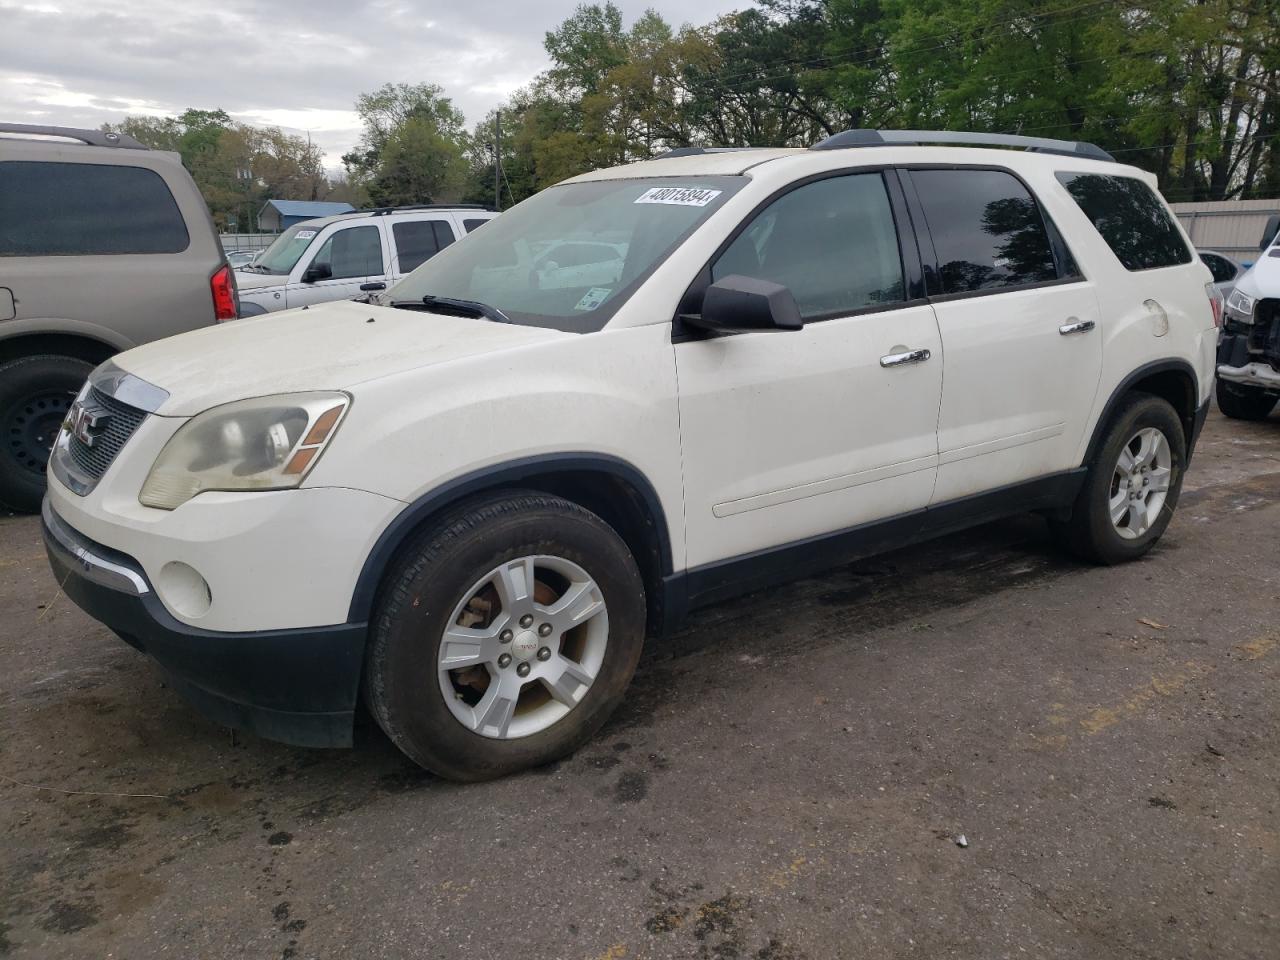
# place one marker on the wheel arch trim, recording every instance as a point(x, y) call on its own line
point(495, 476)
point(1168, 365)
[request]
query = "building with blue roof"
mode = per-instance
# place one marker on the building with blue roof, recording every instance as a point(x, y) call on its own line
point(277, 215)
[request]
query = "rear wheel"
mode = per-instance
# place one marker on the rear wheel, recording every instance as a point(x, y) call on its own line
point(505, 636)
point(35, 395)
point(1129, 494)
point(1242, 402)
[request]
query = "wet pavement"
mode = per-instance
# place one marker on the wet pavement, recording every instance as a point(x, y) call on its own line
point(789, 777)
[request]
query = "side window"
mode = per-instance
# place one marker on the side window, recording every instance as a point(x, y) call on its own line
point(987, 230)
point(831, 242)
point(79, 209)
point(473, 225)
point(1221, 268)
point(1130, 218)
point(417, 241)
point(350, 253)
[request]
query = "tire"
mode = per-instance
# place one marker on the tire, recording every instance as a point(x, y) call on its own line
point(1091, 533)
point(1242, 402)
point(35, 395)
point(466, 734)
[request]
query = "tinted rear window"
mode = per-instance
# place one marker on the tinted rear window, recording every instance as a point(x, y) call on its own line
point(1131, 219)
point(70, 209)
point(417, 241)
point(987, 230)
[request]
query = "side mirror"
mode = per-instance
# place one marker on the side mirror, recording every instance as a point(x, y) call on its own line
point(1269, 231)
point(738, 304)
point(317, 271)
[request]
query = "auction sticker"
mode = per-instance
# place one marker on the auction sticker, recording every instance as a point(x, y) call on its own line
point(304, 235)
point(593, 298)
point(679, 196)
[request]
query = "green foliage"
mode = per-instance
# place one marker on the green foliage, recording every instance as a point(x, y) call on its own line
point(417, 164)
point(236, 166)
point(412, 148)
point(1189, 89)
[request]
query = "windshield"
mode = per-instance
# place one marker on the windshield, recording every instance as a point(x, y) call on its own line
point(288, 248)
point(569, 256)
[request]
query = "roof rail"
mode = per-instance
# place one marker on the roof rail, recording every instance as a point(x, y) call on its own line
point(885, 138)
point(94, 138)
point(383, 211)
point(698, 151)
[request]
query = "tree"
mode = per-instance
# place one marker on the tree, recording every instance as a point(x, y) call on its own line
point(237, 167)
point(418, 164)
point(390, 107)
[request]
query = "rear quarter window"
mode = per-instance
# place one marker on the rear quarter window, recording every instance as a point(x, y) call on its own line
point(78, 209)
point(1131, 219)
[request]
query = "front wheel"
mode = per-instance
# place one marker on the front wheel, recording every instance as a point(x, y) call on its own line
point(1128, 496)
point(506, 634)
point(1242, 402)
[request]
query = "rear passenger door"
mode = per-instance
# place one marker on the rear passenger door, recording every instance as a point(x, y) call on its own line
point(1018, 323)
point(417, 241)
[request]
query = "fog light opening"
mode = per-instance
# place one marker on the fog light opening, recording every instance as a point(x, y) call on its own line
point(183, 590)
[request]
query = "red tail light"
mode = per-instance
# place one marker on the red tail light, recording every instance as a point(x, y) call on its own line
point(223, 287)
point(1215, 303)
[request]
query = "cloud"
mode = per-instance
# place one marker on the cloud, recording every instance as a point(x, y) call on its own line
point(292, 64)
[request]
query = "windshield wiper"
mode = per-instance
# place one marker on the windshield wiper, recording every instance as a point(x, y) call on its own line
point(452, 307)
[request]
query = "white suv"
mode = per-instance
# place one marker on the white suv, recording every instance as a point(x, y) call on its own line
point(473, 498)
point(338, 258)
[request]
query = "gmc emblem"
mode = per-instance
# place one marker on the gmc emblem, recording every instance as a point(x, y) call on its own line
point(85, 422)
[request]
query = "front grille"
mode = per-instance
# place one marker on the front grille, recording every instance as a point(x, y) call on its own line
point(118, 421)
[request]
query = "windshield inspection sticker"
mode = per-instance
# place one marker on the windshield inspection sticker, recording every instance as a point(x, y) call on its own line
point(593, 298)
point(679, 196)
point(304, 235)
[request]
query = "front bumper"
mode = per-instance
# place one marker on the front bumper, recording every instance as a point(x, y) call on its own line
point(295, 686)
point(1249, 353)
point(1252, 375)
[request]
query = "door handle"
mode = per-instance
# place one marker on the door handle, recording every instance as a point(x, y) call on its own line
point(369, 287)
point(1076, 326)
point(910, 356)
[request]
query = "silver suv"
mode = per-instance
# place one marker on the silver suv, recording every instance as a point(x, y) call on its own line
point(104, 245)
point(351, 254)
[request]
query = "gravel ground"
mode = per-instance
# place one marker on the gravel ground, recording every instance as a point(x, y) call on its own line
point(789, 778)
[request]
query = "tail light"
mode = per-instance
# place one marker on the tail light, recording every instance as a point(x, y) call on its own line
point(223, 287)
point(1215, 303)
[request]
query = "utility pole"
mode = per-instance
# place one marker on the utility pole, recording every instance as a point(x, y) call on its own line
point(497, 160)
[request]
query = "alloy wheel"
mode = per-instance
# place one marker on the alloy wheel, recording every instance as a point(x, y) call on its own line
point(523, 647)
point(1140, 483)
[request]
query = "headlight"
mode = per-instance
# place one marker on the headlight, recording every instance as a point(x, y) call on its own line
point(269, 443)
point(1240, 306)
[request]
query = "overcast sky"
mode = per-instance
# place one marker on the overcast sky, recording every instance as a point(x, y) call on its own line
point(297, 65)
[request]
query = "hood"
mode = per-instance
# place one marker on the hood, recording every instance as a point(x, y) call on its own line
point(328, 346)
point(1263, 278)
point(256, 281)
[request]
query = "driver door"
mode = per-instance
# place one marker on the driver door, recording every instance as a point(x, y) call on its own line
point(351, 256)
point(793, 436)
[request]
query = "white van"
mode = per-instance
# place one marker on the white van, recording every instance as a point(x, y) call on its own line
point(338, 258)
